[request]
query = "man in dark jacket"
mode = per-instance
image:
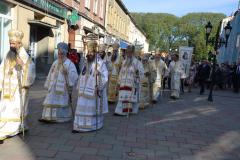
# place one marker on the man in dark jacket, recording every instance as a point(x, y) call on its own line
point(203, 75)
point(236, 77)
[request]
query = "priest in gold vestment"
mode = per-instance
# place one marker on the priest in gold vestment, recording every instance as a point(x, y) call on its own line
point(17, 74)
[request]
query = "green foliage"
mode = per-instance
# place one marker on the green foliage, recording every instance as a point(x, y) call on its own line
point(165, 31)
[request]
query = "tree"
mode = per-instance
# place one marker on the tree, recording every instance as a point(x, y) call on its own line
point(165, 31)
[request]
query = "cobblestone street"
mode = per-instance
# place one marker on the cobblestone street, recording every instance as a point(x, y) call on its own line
point(187, 129)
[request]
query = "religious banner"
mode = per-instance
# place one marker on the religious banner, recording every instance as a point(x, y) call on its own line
point(185, 56)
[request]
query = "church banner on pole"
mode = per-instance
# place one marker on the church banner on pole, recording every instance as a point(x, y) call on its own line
point(185, 56)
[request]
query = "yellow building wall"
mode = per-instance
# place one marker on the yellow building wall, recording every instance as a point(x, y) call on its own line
point(117, 22)
point(20, 21)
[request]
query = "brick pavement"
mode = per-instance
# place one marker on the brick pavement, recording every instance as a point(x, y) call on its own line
point(187, 129)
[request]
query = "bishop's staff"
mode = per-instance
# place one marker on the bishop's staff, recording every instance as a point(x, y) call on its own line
point(68, 87)
point(19, 78)
point(97, 79)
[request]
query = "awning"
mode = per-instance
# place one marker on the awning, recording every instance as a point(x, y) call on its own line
point(123, 45)
point(89, 30)
point(40, 23)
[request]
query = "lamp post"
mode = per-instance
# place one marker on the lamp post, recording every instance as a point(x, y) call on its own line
point(217, 42)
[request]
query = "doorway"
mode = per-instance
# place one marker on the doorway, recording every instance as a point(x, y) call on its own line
point(39, 48)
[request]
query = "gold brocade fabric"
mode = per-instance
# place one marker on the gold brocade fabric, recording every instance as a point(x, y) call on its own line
point(10, 83)
point(112, 88)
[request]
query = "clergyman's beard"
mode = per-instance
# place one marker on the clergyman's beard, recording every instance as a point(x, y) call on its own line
point(11, 56)
point(128, 61)
point(90, 58)
point(102, 55)
point(114, 56)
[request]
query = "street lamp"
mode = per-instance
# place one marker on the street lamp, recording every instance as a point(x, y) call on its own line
point(208, 28)
point(217, 41)
point(228, 29)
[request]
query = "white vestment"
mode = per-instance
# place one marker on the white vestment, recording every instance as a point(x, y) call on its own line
point(160, 66)
point(12, 113)
point(91, 104)
point(129, 92)
point(56, 104)
point(176, 71)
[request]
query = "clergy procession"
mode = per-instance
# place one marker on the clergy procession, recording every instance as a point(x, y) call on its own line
point(119, 80)
point(131, 80)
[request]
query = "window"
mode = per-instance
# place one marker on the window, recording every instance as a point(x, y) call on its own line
point(101, 9)
point(5, 9)
point(5, 26)
point(87, 4)
point(95, 6)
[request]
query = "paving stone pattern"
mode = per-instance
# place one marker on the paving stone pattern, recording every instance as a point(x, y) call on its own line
point(190, 128)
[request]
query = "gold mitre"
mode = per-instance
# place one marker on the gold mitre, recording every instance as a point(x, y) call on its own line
point(15, 35)
point(92, 45)
point(102, 48)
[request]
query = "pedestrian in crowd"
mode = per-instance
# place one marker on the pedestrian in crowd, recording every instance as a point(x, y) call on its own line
point(191, 77)
point(229, 76)
point(91, 84)
point(175, 71)
point(17, 75)
point(166, 73)
point(203, 75)
point(183, 78)
point(236, 82)
point(60, 81)
point(75, 58)
point(219, 77)
point(129, 79)
point(170, 66)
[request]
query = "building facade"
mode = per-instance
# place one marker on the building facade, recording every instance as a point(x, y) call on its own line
point(137, 36)
point(43, 24)
point(231, 53)
point(92, 13)
point(121, 27)
point(117, 23)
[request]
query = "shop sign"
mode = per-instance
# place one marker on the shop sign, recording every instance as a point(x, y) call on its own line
point(74, 17)
point(50, 7)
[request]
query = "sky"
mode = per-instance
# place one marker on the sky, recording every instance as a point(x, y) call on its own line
point(182, 7)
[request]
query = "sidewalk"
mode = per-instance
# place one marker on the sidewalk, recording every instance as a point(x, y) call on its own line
point(190, 128)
